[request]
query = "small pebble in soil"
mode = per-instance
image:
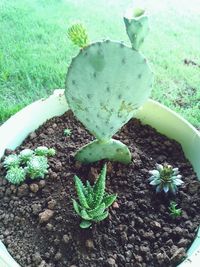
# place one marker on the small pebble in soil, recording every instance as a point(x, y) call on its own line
point(46, 215)
point(111, 262)
point(89, 244)
point(36, 208)
point(41, 184)
point(34, 188)
point(51, 204)
point(115, 205)
point(66, 239)
point(23, 190)
point(49, 227)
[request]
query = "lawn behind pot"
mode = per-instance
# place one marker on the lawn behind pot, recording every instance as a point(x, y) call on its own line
point(35, 51)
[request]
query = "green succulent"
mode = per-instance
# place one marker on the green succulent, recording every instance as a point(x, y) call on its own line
point(174, 212)
point(37, 167)
point(138, 12)
point(25, 155)
point(93, 201)
point(107, 92)
point(67, 132)
point(78, 35)
point(16, 175)
point(165, 178)
point(51, 152)
point(41, 151)
point(11, 161)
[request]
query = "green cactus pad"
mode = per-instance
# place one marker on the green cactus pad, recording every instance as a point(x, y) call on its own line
point(113, 150)
point(106, 83)
point(137, 28)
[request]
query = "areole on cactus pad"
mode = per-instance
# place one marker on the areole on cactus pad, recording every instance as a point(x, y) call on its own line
point(106, 84)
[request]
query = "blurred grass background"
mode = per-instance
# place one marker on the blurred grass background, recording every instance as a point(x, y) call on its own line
point(35, 51)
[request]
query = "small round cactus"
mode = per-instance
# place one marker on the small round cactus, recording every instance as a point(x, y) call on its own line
point(16, 175)
point(165, 178)
point(11, 161)
point(41, 151)
point(51, 152)
point(25, 155)
point(37, 167)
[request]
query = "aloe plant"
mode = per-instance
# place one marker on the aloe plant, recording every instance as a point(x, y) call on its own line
point(106, 84)
point(93, 201)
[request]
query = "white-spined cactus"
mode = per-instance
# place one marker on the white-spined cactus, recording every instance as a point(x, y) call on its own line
point(25, 155)
point(106, 84)
point(37, 167)
point(11, 161)
point(16, 175)
point(165, 178)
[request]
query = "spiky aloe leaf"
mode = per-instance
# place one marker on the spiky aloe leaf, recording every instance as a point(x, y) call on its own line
point(99, 187)
point(77, 207)
point(85, 224)
point(89, 187)
point(108, 200)
point(80, 192)
point(101, 217)
point(85, 215)
point(90, 199)
point(97, 211)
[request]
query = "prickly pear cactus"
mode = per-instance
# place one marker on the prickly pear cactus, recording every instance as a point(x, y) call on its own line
point(106, 84)
point(137, 28)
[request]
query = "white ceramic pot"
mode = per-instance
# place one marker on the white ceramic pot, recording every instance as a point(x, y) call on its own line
point(164, 120)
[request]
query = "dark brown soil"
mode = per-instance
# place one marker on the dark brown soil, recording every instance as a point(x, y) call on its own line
point(139, 231)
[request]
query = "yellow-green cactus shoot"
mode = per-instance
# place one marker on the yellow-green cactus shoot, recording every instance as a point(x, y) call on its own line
point(78, 35)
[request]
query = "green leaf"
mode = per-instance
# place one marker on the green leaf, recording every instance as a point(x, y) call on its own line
point(90, 199)
point(80, 192)
point(89, 187)
point(101, 217)
point(97, 211)
point(99, 187)
point(85, 215)
point(77, 207)
point(108, 200)
point(85, 224)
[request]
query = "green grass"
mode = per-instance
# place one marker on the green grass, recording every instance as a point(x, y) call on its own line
point(35, 51)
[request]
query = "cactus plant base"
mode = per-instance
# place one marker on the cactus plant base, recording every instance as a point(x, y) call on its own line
point(113, 150)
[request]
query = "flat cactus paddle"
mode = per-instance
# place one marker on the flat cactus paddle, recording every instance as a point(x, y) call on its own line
point(106, 84)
